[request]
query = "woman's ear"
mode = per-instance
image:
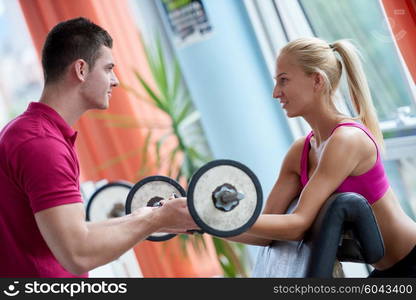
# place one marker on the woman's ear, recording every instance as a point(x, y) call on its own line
point(318, 82)
point(80, 69)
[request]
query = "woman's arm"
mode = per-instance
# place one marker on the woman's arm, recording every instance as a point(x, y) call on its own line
point(340, 157)
point(285, 190)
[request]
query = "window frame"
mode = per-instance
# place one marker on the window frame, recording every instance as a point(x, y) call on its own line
point(268, 21)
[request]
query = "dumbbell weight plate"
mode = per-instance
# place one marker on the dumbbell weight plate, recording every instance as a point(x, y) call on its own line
point(108, 201)
point(229, 218)
point(149, 191)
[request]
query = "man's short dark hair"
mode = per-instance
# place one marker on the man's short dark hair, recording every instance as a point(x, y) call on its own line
point(70, 40)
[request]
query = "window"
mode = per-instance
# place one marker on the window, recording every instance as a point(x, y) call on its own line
point(277, 22)
point(20, 72)
point(365, 23)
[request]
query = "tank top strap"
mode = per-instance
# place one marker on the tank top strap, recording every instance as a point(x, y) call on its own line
point(363, 128)
point(304, 159)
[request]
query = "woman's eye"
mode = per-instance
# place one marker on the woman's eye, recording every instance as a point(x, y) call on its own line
point(282, 81)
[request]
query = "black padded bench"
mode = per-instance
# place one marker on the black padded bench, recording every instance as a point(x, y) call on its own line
point(345, 229)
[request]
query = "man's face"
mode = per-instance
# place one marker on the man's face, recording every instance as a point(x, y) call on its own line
point(99, 81)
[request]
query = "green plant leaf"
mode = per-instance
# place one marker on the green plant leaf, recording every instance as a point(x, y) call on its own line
point(136, 93)
point(194, 154)
point(145, 149)
point(152, 61)
point(159, 144)
point(172, 157)
point(177, 78)
point(161, 68)
point(159, 102)
point(189, 119)
point(184, 113)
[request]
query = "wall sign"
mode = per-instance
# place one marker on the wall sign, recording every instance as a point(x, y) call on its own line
point(188, 21)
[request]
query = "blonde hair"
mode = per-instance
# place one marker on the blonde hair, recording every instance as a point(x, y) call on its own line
point(317, 56)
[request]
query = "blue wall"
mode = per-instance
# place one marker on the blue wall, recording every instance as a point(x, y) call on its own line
point(232, 88)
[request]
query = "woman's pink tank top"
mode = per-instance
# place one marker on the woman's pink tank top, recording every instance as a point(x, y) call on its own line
point(373, 184)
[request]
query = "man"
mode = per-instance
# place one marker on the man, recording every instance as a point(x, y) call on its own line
point(43, 232)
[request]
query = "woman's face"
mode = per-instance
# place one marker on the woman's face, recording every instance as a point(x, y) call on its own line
point(293, 87)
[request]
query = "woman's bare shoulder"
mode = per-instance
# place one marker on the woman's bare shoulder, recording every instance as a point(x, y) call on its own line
point(294, 155)
point(353, 137)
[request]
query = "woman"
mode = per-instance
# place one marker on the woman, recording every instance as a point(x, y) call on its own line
point(341, 154)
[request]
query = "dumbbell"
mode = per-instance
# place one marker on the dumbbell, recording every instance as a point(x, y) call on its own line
point(108, 201)
point(224, 198)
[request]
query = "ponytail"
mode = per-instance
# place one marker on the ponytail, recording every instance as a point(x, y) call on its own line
point(358, 87)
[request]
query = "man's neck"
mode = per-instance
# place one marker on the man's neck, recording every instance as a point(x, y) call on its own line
point(64, 102)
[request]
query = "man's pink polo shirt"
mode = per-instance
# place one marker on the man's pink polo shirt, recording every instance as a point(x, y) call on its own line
point(38, 170)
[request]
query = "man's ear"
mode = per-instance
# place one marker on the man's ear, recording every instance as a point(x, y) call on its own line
point(80, 69)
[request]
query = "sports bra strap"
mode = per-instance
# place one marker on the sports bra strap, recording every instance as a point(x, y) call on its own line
point(307, 146)
point(363, 128)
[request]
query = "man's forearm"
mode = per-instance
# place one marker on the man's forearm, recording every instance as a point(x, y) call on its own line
point(105, 241)
point(108, 222)
point(81, 246)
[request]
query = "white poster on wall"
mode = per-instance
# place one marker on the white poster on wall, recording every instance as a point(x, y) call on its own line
point(188, 21)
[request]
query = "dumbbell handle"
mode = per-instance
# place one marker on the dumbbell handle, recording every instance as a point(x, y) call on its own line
point(192, 231)
point(195, 231)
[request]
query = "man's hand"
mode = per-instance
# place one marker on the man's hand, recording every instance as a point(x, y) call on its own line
point(173, 216)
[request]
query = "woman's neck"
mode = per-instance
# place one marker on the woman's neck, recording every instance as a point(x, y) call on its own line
point(323, 121)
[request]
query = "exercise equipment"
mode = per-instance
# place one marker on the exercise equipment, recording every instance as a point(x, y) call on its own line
point(105, 203)
point(224, 198)
point(108, 201)
point(345, 230)
point(149, 192)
